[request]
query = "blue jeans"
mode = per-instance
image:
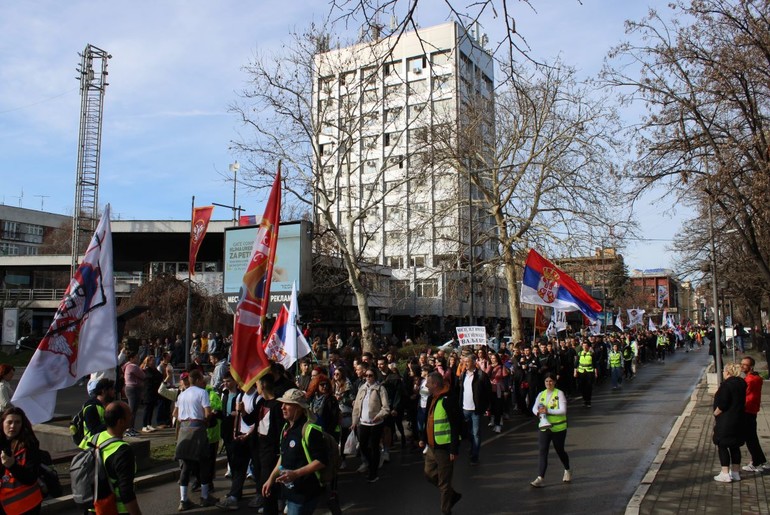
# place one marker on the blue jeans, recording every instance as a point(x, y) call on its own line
point(473, 424)
point(616, 374)
point(306, 508)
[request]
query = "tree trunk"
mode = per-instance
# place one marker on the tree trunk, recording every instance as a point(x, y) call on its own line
point(514, 304)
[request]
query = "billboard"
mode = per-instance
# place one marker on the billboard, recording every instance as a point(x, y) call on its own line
point(292, 261)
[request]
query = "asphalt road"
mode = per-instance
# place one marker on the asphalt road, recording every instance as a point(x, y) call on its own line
point(611, 446)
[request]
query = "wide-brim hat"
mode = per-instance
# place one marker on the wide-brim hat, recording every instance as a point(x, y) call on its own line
point(296, 396)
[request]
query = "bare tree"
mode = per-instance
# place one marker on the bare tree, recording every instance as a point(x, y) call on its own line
point(396, 17)
point(323, 111)
point(538, 166)
point(704, 78)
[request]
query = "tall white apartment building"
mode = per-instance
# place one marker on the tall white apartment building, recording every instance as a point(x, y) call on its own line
point(380, 107)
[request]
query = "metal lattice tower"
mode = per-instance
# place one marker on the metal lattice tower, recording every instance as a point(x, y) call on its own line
point(93, 81)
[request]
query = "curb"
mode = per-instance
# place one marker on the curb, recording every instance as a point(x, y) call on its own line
point(635, 503)
point(58, 504)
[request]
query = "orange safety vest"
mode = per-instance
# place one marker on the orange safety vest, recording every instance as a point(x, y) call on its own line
point(15, 497)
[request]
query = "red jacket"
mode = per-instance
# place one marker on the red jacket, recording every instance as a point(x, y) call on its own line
point(753, 393)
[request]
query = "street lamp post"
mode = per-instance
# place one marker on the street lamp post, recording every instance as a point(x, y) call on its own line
point(234, 167)
point(715, 300)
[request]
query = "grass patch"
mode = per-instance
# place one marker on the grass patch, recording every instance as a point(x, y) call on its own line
point(163, 453)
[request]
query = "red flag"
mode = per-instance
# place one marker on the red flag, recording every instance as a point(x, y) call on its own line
point(249, 360)
point(540, 321)
point(199, 226)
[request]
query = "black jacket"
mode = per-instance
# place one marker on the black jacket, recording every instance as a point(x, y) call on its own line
point(482, 390)
point(731, 399)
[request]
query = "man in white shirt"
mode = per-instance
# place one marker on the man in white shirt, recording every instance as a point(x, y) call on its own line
point(193, 410)
point(475, 394)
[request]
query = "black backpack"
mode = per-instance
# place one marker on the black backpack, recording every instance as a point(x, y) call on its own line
point(77, 424)
point(49, 478)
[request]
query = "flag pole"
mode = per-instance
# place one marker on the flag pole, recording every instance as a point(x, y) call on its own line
point(188, 333)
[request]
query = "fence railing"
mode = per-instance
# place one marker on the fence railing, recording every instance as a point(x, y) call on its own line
point(29, 294)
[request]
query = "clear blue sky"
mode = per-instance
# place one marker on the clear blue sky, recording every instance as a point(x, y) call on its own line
point(176, 67)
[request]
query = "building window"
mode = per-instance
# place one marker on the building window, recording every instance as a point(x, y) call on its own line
point(417, 261)
point(390, 69)
point(440, 58)
point(399, 289)
point(9, 249)
point(393, 237)
point(396, 261)
point(391, 138)
point(426, 288)
point(417, 87)
point(417, 65)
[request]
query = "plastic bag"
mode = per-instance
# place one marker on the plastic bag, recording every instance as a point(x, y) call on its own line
point(351, 444)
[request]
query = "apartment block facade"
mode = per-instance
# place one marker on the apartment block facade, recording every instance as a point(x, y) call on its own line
point(382, 108)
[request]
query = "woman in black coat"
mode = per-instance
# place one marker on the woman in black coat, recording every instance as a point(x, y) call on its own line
point(729, 404)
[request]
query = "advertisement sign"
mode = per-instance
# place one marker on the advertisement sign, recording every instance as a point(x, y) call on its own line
point(288, 261)
point(10, 326)
point(472, 335)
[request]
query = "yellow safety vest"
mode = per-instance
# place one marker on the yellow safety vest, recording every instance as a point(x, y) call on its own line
point(106, 453)
point(442, 432)
point(585, 362)
point(558, 422)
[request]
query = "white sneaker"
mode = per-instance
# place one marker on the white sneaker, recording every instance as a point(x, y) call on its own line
point(567, 476)
point(363, 468)
point(425, 450)
point(753, 468)
point(723, 478)
point(765, 466)
point(538, 482)
point(491, 423)
point(385, 457)
point(497, 429)
point(735, 476)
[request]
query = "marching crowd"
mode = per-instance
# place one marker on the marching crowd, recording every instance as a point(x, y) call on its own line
point(289, 433)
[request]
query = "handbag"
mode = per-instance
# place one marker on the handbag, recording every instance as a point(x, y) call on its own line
point(351, 444)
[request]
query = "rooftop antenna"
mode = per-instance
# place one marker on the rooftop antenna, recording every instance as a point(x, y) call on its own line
point(42, 200)
point(393, 22)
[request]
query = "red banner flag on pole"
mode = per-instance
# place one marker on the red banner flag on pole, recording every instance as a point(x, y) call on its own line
point(198, 228)
point(249, 361)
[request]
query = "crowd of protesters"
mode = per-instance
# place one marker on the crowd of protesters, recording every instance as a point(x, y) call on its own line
point(386, 400)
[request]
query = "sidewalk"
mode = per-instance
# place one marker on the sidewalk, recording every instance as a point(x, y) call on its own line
point(681, 478)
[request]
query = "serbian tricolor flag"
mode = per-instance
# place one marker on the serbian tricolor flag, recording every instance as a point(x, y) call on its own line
point(247, 220)
point(198, 228)
point(83, 337)
point(249, 361)
point(544, 284)
point(286, 343)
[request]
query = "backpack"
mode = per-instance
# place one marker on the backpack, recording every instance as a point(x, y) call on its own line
point(85, 470)
point(49, 478)
point(77, 424)
point(327, 475)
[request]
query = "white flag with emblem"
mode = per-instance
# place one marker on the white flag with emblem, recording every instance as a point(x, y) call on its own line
point(83, 336)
